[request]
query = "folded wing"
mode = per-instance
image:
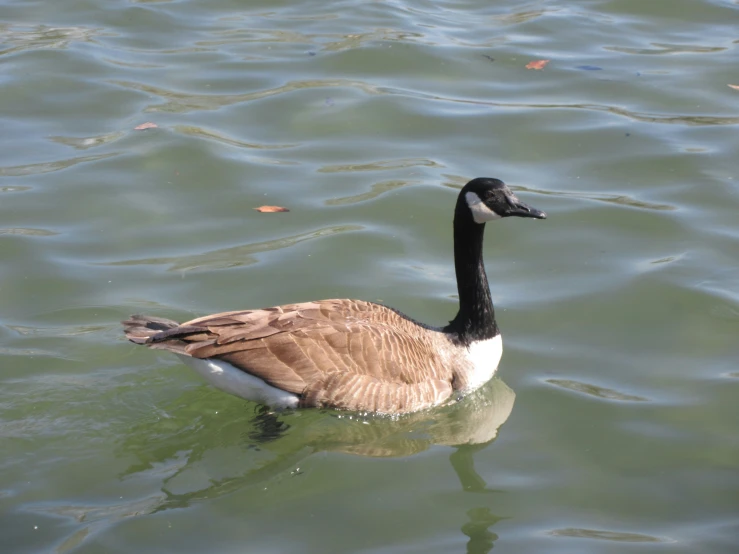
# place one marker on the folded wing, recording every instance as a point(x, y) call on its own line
point(346, 354)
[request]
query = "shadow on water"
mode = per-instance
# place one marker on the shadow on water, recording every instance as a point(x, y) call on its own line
point(277, 442)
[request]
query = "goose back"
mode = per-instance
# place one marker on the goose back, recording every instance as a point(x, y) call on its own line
point(346, 354)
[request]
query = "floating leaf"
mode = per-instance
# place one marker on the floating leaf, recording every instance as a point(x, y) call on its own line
point(271, 209)
point(734, 87)
point(538, 64)
point(147, 125)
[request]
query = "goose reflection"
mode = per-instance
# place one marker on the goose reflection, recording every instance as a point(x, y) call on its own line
point(279, 441)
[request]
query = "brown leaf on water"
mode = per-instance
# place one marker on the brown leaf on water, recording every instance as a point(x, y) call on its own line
point(147, 125)
point(734, 87)
point(537, 64)
point(271, 209)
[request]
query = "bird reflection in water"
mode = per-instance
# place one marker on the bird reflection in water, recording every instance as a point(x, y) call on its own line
point(176, 445)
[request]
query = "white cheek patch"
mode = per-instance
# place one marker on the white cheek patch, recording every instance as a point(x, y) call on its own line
point(480, 212)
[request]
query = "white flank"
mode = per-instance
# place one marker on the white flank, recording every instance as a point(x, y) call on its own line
point(480, 212)
point(228, 378)
point(484, 355)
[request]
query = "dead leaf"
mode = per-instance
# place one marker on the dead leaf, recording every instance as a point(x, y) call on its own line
point(147, 125)
point(538, 64)
point(734, 87)
point(271, 209)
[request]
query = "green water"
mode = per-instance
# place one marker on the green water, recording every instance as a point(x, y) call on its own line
point(612, 426)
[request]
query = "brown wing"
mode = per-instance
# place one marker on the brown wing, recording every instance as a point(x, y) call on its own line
point(346, 354)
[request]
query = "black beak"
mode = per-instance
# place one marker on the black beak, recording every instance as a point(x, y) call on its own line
point(519, 209)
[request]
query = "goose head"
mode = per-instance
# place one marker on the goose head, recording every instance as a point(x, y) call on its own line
point(487, 199)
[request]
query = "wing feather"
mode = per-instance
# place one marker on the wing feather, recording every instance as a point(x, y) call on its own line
point(347, 354)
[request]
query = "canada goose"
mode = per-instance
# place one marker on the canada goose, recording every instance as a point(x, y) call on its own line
point(352, 354)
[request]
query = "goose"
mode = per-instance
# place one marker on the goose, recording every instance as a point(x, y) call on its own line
point(352, 354)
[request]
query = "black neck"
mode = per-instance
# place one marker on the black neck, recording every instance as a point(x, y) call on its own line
point(476, 317)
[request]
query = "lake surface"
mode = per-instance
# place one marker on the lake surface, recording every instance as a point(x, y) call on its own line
point(613, 423)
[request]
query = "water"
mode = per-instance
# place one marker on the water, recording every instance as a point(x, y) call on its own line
point(613, 424)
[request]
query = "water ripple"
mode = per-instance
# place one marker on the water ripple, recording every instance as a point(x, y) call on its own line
point(237, 256)
point(376, 190)
point(595, 390)
point(619, 199)
point(97, 518)
point(44, 37)
point(30, 352)
point(329, 42)
point(604, 535)
point(181, 102)
point(218, 137)
point(360, 40)
point(645, 117)
point(66, 331)
point(28, 232)
point(136, 64)
point(15, 189)
point(668, 49)
point(83, 143)
point(242, 35)
point(48, 167)
point(524, 16)
point(381, 165)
